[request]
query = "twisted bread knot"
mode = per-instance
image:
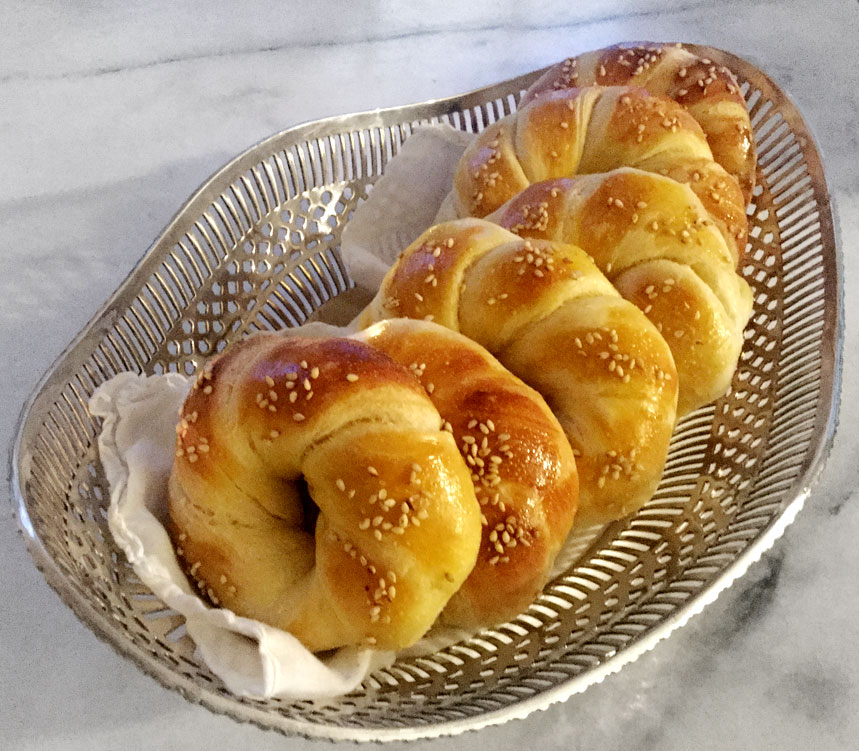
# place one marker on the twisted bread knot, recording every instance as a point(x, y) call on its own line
point(708, 92)
point(596, 129)
point(521, 464)
point(656, 243)
point(554, 320)
point(274, 415)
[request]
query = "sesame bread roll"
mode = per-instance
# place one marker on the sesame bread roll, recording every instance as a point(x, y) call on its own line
point(707, 91)
point(521, 464)
point(657, 244)
point(596, 129)
point(549, 316)
point(288, 455)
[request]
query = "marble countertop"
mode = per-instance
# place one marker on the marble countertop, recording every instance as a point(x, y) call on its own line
point(111, 116)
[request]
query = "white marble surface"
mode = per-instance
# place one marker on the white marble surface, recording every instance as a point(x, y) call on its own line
point(110, 116)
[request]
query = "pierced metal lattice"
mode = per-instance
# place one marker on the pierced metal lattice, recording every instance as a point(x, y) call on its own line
point(258, 248)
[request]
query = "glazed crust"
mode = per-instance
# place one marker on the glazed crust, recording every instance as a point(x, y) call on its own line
point(277, 421)
point(661, 249)
point(707, 91)
point(574, 131)
point(549, 315)
point(521, 464)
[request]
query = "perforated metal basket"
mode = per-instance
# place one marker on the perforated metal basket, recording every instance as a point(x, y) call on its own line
point(257, 248)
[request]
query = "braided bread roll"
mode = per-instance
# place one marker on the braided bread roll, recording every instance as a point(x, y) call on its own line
point(521, 464)
point(276, 414)
point(554, 320)
point(655, 242)
point(596, 129)
point(709, 93)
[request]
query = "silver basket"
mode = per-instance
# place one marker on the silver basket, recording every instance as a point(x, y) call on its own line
point(257, 247)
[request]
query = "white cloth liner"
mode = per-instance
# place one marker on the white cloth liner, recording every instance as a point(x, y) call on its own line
point(137, 443)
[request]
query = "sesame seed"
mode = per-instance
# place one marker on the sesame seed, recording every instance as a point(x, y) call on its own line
point(341, 486)
point(373, 471)
point(298, 417)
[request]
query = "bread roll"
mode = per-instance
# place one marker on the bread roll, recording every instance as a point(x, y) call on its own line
point(289, 451)
point(549, 315)
point(597, 129)
point(707, 91)
point(656, 243)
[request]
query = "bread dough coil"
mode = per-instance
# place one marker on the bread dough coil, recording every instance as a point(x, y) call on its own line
point(552, 318)
point(708, 91)
point(289, 454)
point(654, 240)
point(596, 129)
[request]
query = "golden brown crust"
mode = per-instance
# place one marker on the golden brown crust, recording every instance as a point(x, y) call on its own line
point(709, 92)
point(657, 244)
point(541, 308)
point(610, 378)
point(584, 131)
point(521, 464)
point(276, 411)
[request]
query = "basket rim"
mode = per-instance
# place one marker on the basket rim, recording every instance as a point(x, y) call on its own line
point(826, 424)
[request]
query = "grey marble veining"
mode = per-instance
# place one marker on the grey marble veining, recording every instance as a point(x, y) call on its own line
point(109, 119)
